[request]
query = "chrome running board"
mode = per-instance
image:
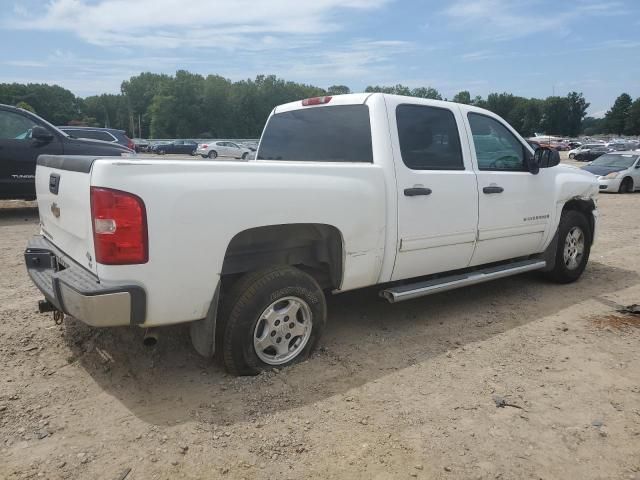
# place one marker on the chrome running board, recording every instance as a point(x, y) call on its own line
point(428, 287)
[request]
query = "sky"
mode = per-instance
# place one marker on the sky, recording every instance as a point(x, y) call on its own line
point(531, 48)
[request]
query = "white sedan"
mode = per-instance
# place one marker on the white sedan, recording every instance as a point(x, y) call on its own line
point(617, 171)
point(222, 148)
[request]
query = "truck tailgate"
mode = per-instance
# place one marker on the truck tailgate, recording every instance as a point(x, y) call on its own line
point(63, 192)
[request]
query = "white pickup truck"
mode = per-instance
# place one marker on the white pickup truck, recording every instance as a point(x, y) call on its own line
point(416, 196)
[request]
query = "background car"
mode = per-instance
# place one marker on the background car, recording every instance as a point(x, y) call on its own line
point(222, 148)
point(617, 171)
point(110, 135)
point(24, 136)
point(175, 146)
point(584, 148)
point(619, 146)
point(591, 154)
point(141, 145)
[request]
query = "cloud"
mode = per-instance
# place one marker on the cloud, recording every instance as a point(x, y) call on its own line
point(479, 55)
point(169, 24)
point(502, 20)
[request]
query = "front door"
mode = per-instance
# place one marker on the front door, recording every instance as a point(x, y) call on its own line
point(515, 207)
point(18, 154)
point(436, 188)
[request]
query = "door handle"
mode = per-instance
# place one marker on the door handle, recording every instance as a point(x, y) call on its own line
point(415, 191)
point(493, 189)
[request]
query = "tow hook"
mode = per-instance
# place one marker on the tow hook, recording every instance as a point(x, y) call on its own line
point(45, 306)
point(58, 317)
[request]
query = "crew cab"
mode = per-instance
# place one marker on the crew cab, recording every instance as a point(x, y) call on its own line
point(24, 136)
point(416, 196)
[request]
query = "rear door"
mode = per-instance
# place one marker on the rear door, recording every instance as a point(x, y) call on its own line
point(436, 188)
point(18, 154)
point(515, 206)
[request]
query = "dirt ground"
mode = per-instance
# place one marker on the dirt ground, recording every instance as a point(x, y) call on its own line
point(395, 391)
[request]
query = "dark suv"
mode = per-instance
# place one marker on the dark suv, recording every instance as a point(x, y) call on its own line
point(111, 135)
point(24, 136)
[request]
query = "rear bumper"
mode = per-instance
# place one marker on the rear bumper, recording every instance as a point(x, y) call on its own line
point(77, 292)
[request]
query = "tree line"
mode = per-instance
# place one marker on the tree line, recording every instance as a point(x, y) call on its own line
point(188, 105)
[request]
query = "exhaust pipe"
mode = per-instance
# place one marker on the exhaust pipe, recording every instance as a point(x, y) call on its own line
point(150, 338)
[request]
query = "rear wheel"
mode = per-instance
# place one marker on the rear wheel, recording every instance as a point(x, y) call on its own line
point(626, 186)
point(213, 154)
point(574, 246)
point(244, 156)
point(272, 318)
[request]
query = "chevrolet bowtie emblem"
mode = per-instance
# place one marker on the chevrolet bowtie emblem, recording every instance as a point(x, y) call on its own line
point(55, 210)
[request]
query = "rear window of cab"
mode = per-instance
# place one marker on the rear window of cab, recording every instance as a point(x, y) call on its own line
point(338, 133)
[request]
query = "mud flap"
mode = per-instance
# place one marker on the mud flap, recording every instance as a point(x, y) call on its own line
point(549, 255)
point(203, 332)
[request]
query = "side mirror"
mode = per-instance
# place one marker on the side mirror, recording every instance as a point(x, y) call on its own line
point(546, 158)
point(533, 164)
point(41, 134)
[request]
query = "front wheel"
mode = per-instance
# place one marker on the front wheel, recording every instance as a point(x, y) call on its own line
point(626, 186)
point(572, 156)
point(574, 246)
point(244, 156)
point(272, 318)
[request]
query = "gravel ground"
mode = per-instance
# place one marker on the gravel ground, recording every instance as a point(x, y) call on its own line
point(415, 390)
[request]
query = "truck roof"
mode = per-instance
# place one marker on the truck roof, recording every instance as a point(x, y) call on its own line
point(360, 98)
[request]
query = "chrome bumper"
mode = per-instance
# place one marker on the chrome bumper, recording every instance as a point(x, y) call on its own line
point(77, 292)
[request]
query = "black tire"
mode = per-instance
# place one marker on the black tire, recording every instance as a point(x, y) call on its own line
point(563, 273)
point(244, 156)
point(572, 156)
point(248, 298)
point(213, 154)
point(626, 186)
point(160, 152)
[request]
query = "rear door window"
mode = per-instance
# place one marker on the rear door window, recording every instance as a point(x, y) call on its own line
point(340, 133)
point(429, 138)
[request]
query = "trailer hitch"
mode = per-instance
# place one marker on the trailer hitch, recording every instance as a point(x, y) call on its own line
point(45, 306)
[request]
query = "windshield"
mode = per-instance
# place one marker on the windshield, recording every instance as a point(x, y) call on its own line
point(615, 160)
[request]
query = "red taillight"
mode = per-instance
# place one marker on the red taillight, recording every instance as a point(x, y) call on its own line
point(316, 101)
point(119, 227)
point(130, 144)
point(204, 145)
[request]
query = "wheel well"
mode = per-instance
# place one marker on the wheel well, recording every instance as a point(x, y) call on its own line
point(314, 248)
point(583, 206)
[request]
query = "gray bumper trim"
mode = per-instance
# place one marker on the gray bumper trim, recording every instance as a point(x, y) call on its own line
point(78, 292)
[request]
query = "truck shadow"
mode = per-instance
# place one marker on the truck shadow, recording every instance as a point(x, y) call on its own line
point(18, 213)
point(366, 339)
